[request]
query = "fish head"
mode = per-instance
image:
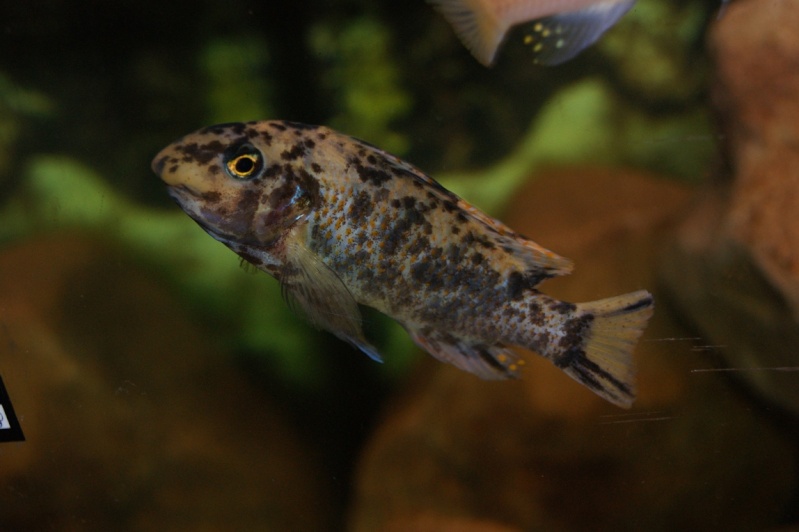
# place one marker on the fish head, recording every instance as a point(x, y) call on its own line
point(236, 182)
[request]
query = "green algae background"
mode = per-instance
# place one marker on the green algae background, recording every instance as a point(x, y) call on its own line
point(87, 102)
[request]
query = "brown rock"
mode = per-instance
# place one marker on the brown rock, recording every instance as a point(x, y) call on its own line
point(734, 271)
point(435, 523)
point(543, 453)
point(755, 46)
point(133, 420)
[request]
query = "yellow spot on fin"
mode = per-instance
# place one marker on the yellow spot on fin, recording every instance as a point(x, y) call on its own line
point(481, 25)
point(490, 362)
point(558, 38)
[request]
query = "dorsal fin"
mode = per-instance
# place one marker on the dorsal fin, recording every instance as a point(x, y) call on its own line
point(536, 259)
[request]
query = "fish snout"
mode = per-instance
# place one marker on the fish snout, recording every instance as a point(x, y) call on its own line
point(160, 161)
point(171, 166)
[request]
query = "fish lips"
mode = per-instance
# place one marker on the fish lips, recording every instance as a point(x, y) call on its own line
point(212, 222)
point(185, 196)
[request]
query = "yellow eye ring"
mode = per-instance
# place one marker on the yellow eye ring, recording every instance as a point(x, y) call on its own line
point(243, 161)
point(244, 165)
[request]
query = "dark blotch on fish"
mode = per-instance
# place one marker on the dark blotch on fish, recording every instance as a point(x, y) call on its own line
point(202, 154)
point(219, 129)
point(249, 201)
point(212, 196)
point(361, 206)
point(372, 175)
point(295, 153)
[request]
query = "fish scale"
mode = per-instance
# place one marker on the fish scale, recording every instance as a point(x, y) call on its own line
point(341, 223)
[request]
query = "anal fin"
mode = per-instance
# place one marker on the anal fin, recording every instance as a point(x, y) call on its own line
point(491, 362)
point(558, 38)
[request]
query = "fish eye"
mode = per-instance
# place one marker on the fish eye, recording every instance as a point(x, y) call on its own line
point(243, 161)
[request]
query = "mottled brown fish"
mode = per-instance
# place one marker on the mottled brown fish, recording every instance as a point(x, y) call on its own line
point(341, 223)
point(557, 31)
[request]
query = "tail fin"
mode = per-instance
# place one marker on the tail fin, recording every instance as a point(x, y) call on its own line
point(602, 360)
point(478, 28)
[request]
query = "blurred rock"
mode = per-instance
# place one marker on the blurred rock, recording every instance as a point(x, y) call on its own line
point(755, 46)
point(734, 272)
point(432, 523)
point(544, 453)
point(132, 419)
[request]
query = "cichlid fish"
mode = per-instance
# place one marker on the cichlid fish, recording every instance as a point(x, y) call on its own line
point(341, 223)
point(559, 29)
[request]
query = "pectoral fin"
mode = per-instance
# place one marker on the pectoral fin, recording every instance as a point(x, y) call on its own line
point(492, 362)
point(314, 290)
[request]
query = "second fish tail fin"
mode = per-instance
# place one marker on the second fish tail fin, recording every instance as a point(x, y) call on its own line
point(479, 30)
point(606, 332)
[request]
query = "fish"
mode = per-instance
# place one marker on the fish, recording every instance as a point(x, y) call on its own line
point(558, 30)
point(342, 224)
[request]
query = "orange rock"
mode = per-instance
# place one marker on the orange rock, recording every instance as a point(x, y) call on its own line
point(132, 419)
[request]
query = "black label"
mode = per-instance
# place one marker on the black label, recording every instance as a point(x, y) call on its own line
point(10, 429)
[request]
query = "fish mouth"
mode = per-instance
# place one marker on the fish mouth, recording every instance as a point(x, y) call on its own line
point(185, 197)
point(188, 199)
point(183, 192)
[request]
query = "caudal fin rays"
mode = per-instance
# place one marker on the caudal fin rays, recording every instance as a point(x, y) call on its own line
point(601, 358)
point(479, 31)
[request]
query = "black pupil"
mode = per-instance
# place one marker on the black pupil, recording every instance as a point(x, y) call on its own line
point(244, 165)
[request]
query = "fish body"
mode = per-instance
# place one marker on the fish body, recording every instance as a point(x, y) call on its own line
point(560, 29)
point(341, 223)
